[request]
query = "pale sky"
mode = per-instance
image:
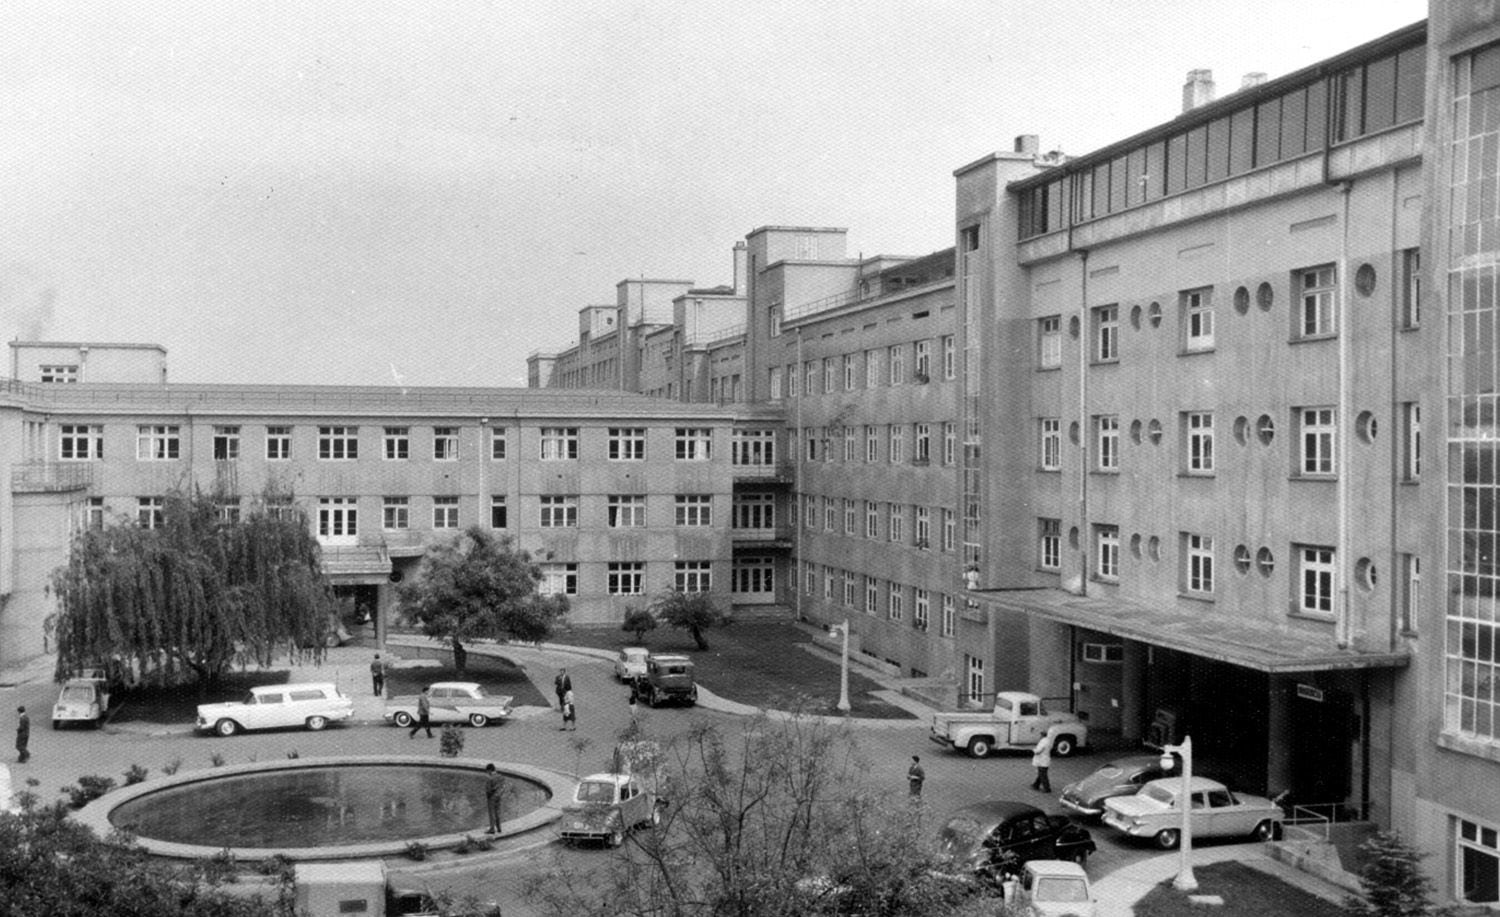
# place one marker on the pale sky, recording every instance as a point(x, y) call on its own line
point(356, 191)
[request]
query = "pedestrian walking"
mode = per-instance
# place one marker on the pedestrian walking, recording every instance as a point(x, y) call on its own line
point(915, 777)
point(424, 714)
point(1041, 759)
point(494, 789)
point(562, 684)
point(23, 735)
point(377, 675)
point(569, 712)
point(635, 698)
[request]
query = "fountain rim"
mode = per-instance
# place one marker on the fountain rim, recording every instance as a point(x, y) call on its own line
point(96, 814)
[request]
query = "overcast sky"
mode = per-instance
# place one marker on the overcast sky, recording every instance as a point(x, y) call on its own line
point(362, 192)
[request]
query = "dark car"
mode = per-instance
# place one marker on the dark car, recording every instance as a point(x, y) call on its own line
point(669, 679)
point(1120, 777)
point(990, 836)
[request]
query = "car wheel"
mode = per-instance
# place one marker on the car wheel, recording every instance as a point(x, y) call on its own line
point(1064, 746)
point(1080, 856)
point(1167, 840)
point(979, 748)
point(331, 640)
point(403, 719)
point(478, 719)
point(56, 724)
point(315, 723)
point(616, 836)
point(226, 727)
point(1265, 831)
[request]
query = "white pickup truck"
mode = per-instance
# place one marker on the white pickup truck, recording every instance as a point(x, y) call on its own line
point(1019, 720)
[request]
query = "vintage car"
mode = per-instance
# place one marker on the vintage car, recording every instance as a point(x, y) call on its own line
point(311, 704)
point(1120, 777)
point(82, 700)
point(606, 806)
point(669, 678)
point(995, 837)
point(630, 664)
point(451, 702)
point(1216, 812)
point(1052, 888)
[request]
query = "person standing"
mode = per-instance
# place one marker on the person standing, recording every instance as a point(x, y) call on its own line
point(569, 712)
point(23, 735)
point(377, 675)
point(562, 684)
point(635, 698)
point(1041, 759)
point(915, 777)
point(494, 788)
point(424, 714)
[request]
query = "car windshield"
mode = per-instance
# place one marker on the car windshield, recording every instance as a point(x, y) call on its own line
point(78, 693)
point(634, 655)
point(1060, 888)
point(1160, 794)
point(475, 691)
point(1109, 770)
point(595, 791)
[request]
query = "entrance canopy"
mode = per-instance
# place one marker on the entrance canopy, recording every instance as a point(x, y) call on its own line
point(1262, 647)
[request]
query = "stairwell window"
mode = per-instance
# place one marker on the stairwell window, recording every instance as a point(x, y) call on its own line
point(1049, 342)
point(1316, 291)
point(1107, 334)
point(1049, 549)
point(1107, 553)
point(1316, 441)
point(1198, 442)
point(1314, 580)
point(1197, 320)
point(1051, 444)
point(1107, 442)
point(1197, 565)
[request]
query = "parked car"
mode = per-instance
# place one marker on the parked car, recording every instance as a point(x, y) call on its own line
point(1120, 777)
point(630, 664)
point(452, 702)
point(992, 837)
point(82, 700)
point(669, 678)
point(606, 806)
point(1017, 721)
point(1054, 888)
point(1155, 812)
point(312, 705)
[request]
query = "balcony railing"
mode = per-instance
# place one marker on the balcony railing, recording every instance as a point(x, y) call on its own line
point(51, 477)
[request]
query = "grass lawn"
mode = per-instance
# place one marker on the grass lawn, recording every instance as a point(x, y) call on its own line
point(179, 704)
point(755, 663)
point(1247, 892)
point(496, 675)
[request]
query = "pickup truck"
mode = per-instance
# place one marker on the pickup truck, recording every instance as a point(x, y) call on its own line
point(1019, 720)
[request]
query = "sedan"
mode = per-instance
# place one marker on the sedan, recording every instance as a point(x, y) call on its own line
point(451, 702)
point(1120, 777)
point(630, 664)
point(993, 836)
point(1156, 812)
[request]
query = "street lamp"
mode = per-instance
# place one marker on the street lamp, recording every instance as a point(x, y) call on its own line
point(1185, 881)
point(843, 630)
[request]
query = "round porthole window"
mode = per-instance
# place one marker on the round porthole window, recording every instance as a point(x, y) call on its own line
point(1073, 327)
point(1242, 558)
point(1365, 427)
point(1153, 432)
point(1265, 561)
point(1153, 548)
point(1365, 575)
point(1265, 297)
point(1242, 300)
point(1153, 314)
point(1135, 317)
point(1265, 429)
point(1364, 279)
point(1135, 546)
point(1073, 432)
point(1242, 430)
point(1135, 432)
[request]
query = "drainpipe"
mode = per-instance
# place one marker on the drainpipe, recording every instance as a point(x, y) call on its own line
point(798, 510)
point(1082, 418)
point(1342, 624)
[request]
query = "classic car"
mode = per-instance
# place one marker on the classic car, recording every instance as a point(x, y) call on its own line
point(630, 664)
point(1120, 777)
point(1054, 888)
point(451, 702)
point(313, 705)
point(996, 836)
point(1216, 812)
point(82, 700)
point(669, 678)
point(606, 806)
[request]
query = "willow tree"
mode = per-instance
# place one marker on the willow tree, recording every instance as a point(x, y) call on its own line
point(475, 587)
point(195, 594)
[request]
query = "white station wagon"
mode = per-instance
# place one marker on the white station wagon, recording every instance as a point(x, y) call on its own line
point(313, 705)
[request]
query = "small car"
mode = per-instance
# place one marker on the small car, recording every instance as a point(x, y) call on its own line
point(451, 702)
point(994, 836)
point(1120, 777)
point(606, 806)
point(1154, 812)
point(630, 664)
point(669, 678)
point(82, 700)
point(1054, 888)
point(313, 705)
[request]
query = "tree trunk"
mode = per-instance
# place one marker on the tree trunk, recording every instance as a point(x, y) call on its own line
point(697, 633)
point(460, 658)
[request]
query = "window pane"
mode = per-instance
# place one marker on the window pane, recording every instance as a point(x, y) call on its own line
point(1268, 132)
point(1218, 150)
point(1242, 141)
point(1197, 156)
point(1380, 94)
point(1294, 124)
point(1411, 83)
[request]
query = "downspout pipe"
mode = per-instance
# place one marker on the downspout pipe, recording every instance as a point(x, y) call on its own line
point(1342, 624)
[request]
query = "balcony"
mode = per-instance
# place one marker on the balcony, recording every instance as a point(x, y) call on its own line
point(778, 537)
point(51, 477)
point(770, 472)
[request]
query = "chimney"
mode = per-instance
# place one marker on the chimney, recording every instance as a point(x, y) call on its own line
point(741, 265)
point(1028, 144)
point(1198, 90)
point(1251, 80)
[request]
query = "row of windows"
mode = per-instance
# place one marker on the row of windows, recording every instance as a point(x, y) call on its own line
point(873, 595)
point(626, 577)
point(873, 443)
point(873, 520)
point(868, 369)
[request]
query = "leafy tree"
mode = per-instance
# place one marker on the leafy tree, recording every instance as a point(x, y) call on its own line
point(1393, 881)
point(639, 621)
point(194, 594)
point(477, 587)
point(694, 612)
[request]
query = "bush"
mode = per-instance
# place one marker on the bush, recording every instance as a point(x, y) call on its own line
point(471, 844)
point(88, 789)
point(1392, 880)
point(638, 621)
point(278, 864)
point(451, 742)
point(416, 850)
point(135, 774)
point(172, 766)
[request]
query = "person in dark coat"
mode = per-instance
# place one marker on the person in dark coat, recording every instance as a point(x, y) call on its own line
point(494, 789)
point(377, 675)
point(424, 714)
point(562, 684)
point(23, 735)
point(915, 777)
point(569, 712)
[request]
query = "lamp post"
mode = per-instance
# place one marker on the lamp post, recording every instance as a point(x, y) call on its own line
point(1185, 881)
point(843, 630)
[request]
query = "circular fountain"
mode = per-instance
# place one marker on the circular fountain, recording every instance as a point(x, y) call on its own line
point(323, 808)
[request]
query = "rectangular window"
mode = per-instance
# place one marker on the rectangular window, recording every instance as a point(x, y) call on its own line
point(1106, 334)
point(559, 512)
point(895, 356)
point(1049, 548)
point(753, 576)
point(1316, 440)
point(850, 592)
point(694, 510)
point(148, 512)
point(278, 444)
point(775, 383)
point(850, 377)
point(851, 518)
point(897, 448)
point(922, 361)
point(1049, 342)
point(922, 443)
point(950, 616)
point(921, 608)
point(1411, 445)
point(810, 511)
point(692, 576)
point(1409, 568)
point(499, 513)
point(228, 510)
point(1314, 580)
point(809, 578)
point(1411, 288)
point(226, 444)
point(627, 444)
point(1051, 443)
point(1316, 289)
point(950, 442)
point(498, 449)
point(896, 602)
point(1107, 552)
point(1198, 435)
point(396, 443)
point(872, 519)
point(872, 595)
point(872, 368)
point(1102, 652)
point(558, 579)
point(830, 515)
point(754, 511)
point(1197, 319)
point(974, 680)
point(625, 577)
point(626, 512)
point(896, 523)
point(814, 441)
point(559, 443)
point(445, 444)
point(850, 445)
point(748, 448)
point(950, 357)
point(950, 530)
point(830, 375)
point(1478, 856)
point(80, 442)
point(395, 514)
point(93, 513)
point(693, 444)
point(157, 442)
point(1107, 442)
point(445, 512)
point(338, 444)
point(809, 377)
point(338, 519)
point(1197, 564)
point(922, 528)
point(64, 373)
point(872, 445)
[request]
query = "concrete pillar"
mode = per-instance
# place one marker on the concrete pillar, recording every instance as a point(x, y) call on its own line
point(1132, 698)
point(1279, 734)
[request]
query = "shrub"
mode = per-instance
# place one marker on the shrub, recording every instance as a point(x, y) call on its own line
point(135, 774)
point(638, 621)
point(172, 766)
point(293, 755)
point(470, 844)
point(216, 759)
point(451, 743)
point(278, 864)
point(88, 789)
point(416, 850)
point(1392, 880)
